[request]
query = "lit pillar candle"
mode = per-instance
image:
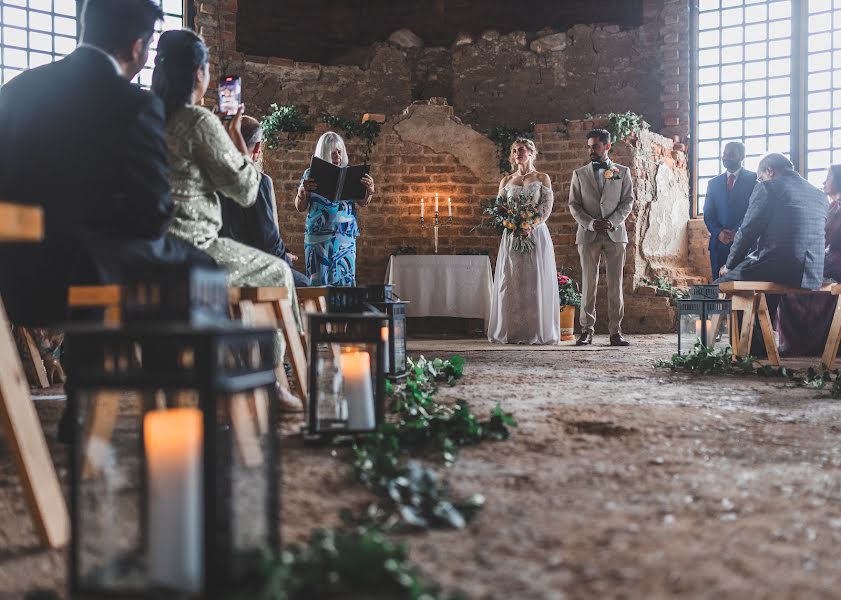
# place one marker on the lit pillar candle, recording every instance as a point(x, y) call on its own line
point(173, 444)
point(708, 327)
point(384, 336)
point(358, 389)
point(449, 207)
point(421, 207)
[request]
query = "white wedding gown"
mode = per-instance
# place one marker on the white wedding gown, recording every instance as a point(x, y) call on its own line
point(525, 308)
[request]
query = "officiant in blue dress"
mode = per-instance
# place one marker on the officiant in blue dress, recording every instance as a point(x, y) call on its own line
point(727, 203)
point(331, 228)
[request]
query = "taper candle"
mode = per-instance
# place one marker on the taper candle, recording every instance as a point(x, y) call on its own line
point(436, 203)
point(449, 207)
point(421, 207)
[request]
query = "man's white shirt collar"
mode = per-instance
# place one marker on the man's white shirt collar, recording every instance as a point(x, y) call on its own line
point(106, 54)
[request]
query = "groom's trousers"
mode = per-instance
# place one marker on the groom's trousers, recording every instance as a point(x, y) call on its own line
point(614, 255)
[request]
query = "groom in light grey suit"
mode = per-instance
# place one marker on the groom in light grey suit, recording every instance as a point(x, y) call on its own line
point(601, 197)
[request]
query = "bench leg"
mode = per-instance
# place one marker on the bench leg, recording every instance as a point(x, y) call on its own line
point(98, 431)
point(25, 437)
point(768, 332)
point(246, 425)
point(834, 337)
point(295, 349)
point(744, 304)
point(35, 361)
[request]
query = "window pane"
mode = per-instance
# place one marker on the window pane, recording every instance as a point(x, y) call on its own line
point(744, 78)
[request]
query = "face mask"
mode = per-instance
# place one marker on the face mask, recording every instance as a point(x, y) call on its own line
point(731, 165)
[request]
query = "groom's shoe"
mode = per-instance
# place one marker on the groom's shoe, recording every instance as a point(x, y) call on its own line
point(585, 340)
point(617, 340)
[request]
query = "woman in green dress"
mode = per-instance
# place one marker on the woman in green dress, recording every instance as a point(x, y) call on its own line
point(207, 157)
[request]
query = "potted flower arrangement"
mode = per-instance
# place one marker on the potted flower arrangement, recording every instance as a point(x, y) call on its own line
point(570, 297)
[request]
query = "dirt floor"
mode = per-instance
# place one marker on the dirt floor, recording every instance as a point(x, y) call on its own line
point(622, 481)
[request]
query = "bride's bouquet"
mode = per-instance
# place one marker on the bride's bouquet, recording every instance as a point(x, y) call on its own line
point(516, 216)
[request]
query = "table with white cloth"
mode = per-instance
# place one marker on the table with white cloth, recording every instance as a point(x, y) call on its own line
point(440, 285)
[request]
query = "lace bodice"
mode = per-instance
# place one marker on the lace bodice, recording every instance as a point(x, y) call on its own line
point(538, 192)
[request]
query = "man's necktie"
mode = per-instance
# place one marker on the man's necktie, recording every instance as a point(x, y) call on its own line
point(600, 165)
point(731, 181)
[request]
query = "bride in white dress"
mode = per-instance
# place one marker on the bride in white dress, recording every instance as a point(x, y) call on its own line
point(525, 308)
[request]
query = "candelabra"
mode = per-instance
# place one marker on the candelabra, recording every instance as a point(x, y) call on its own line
point(436, 223)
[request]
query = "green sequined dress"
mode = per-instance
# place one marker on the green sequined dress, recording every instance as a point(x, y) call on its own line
point(203, 160)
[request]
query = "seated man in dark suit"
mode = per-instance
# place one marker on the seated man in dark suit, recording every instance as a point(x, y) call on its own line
point(77, 138)
point(257, 226)
point(786, 219)
point(726, 203)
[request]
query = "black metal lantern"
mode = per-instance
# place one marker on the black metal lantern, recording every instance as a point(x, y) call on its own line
point(705, 318)
point(174, 472)
point(176, 293)
point(383, 299)
point(347, 373)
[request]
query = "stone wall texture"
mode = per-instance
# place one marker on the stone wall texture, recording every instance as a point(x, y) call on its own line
point(491, 79)
point(551, 79)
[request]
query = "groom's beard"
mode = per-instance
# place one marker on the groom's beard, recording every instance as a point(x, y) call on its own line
point(596, 158)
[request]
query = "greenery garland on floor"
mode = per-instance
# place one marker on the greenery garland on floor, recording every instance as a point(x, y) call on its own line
point(360, 561)
point(702, 360)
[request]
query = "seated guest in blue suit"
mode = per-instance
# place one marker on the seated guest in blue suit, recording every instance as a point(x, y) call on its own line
point(785, 222)
point(727, 203)
point(257, 226)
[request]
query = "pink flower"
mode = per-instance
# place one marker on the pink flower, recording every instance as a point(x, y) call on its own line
point(563, 279)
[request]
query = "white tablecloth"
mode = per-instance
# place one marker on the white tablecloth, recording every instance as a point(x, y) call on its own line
point(443, 285)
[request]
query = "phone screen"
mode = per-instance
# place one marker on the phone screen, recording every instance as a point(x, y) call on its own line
point(230, 94)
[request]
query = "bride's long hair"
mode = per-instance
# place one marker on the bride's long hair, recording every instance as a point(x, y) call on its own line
point(528, 144)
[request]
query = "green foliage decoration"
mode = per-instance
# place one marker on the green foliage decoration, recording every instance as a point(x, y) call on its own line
point(283, 118)
point(368, 131)
point(344, 564)
point(621, 125)
point(663, 283)
point(708, 361)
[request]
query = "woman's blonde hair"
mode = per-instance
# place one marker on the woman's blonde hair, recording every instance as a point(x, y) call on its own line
point(528, 144)
point(329, 142)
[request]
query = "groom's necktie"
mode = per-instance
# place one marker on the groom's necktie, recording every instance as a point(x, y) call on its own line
point(600, 166)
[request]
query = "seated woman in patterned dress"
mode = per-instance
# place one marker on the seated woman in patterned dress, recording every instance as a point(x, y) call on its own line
point(803, 321)
point(205, 157)
point(331, 229)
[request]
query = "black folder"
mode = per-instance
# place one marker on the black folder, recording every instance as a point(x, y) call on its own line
point(338, 183)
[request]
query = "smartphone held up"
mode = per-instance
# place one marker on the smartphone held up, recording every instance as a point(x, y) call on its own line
point(230, 96)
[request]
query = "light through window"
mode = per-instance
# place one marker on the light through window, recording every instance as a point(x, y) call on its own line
point(37, 32)
point(744, 82)
point(173, 19)
point(34, 33)
point(823, 89)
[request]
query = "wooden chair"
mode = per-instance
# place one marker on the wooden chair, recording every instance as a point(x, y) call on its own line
point(749, 298)
point(271, 307)
point(18, 417)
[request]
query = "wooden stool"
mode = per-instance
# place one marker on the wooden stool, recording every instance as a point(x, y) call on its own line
point(271, 307)
point(749, 298)
point(18, 417)
point(32, 357)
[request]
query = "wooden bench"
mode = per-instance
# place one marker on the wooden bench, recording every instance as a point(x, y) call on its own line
point(271, 307)
point(749, 298)
point(108, 297)
point(18, 417)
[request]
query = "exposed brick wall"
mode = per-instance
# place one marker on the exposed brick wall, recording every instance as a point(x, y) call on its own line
point(491, 80)
point(405, 171)
point(699, 248)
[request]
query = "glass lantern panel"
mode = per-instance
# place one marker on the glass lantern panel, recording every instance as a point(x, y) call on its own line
point(246, 478)
point(346, 387)
point(139, 517)
point(400, 343)
point(719, 334)
point(690, 331)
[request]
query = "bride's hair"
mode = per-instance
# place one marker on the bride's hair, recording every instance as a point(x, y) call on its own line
point(528, 144)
